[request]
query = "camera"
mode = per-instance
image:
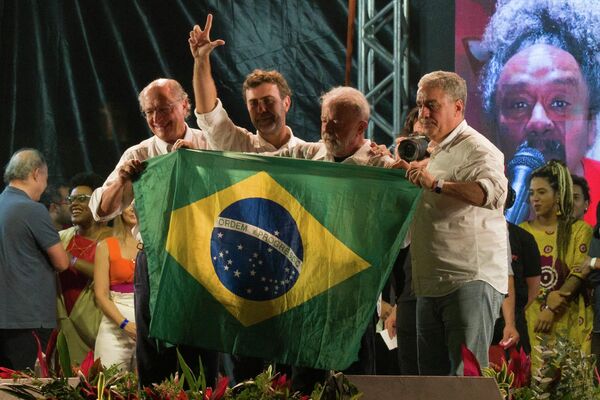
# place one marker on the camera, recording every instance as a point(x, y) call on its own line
point(413, 148)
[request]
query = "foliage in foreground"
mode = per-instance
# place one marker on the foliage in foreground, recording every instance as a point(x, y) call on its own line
point(97, 382)
point(566, 373)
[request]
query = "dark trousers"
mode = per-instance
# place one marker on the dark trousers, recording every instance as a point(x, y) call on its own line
point(406, 329)
point(155, 363)
point(18, 348)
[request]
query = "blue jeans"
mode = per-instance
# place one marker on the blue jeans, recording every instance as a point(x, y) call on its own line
point(467, 316)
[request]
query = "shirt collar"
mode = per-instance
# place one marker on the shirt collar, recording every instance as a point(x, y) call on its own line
point(450, 138)
point(265, 144)
point(165, 147)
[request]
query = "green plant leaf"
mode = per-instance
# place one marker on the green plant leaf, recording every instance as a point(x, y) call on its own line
point(187, 374)
point(64, 358)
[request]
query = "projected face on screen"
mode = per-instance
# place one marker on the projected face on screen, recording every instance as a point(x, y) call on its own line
point(542, 99)
point(540, 78)
point(533, 69)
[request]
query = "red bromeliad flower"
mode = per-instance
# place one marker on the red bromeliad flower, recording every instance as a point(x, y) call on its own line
point(221, 388)
point(87, 364)
point(520, 366)
point(219, 392)
point(280, 382)
point(497, 357)
point(181, 396)
point(40, 356)
point(151, 393)
point(7, 373)
point(470, 363)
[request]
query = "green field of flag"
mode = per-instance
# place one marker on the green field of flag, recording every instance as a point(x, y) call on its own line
point(269, 257)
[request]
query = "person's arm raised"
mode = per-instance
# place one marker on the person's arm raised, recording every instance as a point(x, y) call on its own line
point(205, 91)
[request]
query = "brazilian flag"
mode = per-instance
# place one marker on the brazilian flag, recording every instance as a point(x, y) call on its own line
point(269, 257)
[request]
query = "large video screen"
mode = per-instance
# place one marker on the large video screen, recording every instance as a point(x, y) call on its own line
point(533, 72)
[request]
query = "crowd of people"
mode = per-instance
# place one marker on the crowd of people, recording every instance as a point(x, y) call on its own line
point(467, 278)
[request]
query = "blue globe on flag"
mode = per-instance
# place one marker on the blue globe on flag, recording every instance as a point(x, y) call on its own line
point(256, 249)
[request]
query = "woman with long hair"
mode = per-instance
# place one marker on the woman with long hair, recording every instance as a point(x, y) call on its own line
point(113, 286)
point(562, 306)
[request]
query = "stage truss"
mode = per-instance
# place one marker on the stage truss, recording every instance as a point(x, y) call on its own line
point(383, 72)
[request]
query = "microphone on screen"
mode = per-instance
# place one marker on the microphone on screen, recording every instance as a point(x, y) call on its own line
point(524, 162)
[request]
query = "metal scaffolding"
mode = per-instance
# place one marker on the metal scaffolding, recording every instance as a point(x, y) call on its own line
point(383, 72)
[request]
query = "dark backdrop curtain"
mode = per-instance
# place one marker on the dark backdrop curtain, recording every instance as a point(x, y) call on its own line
point(70, 71)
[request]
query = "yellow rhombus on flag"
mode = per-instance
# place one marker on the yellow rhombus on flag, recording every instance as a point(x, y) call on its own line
point(326, 260)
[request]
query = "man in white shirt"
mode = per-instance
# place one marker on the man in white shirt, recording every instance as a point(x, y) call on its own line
point(165, 105)
point(345, 116)
point(266, 94)
point(459, 238)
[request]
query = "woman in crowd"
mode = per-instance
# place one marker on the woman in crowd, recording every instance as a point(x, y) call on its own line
point(77, 312)
point(113, 286)
point(562, 306)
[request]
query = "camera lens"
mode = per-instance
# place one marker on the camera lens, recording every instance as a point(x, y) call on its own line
point(413, 148)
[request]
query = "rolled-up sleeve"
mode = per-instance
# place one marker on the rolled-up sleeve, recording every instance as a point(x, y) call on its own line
point(222, 133)
point(96, 198)
point(486, 167)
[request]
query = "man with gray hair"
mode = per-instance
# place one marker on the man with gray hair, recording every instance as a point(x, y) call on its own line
point(541, 84)
point(30, 254)
point(165, 105)
point(459, 238)
point(345, 116)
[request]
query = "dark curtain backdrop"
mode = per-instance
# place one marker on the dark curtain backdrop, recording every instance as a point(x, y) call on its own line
point(70, 71)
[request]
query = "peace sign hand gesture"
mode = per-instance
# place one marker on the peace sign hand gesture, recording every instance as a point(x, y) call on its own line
point(200, 44)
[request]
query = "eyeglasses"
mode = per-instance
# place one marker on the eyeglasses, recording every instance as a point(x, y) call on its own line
point(160, 111)
point(80, 198)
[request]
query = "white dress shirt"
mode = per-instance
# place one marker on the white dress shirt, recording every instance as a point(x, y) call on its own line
point(318, 152)
point(454, 242)
point(146, 149)
point(223, 134)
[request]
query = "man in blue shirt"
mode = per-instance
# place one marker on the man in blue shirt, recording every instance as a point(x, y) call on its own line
point(30, 253)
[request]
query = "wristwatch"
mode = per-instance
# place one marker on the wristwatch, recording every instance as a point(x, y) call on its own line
point(439, 184)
